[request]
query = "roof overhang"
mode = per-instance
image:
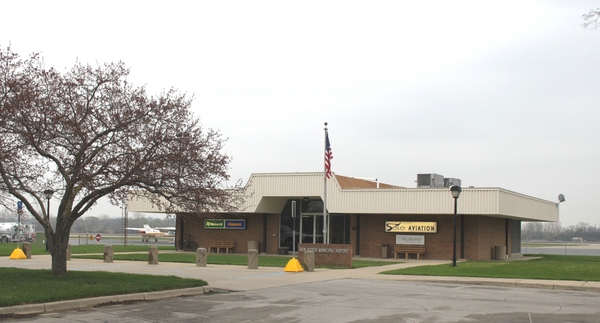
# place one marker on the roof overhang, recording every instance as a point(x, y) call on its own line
point(268, 193)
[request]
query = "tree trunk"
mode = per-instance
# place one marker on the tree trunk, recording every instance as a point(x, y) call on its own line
point(58, 249)
point(59, 262)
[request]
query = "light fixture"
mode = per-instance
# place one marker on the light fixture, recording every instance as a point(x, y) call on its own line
point(48, 193)
point(455, 190)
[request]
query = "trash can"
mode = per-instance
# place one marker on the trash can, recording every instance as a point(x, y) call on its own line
point(499, 252)
point(384, 250)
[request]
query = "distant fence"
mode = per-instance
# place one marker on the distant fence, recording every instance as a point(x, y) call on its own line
point(113, 239)
point(561, 248)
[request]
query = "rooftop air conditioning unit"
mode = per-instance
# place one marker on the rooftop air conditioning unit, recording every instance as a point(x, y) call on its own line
point(430, 181)
point(451, 181)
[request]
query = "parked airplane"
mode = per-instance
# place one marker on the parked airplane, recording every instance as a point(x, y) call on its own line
point(147, 232)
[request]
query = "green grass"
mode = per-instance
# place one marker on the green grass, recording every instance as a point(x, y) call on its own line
point(27, 286)
point(39, 286)
point(7, 248)
point(38, 248)
point(222, 259)
point(552, 267)
point(369, 263)
point(83, 249)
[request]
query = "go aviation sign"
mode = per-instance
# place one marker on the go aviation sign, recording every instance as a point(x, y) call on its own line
point(420, 227)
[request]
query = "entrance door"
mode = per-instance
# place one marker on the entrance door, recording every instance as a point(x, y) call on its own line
point(311, 228)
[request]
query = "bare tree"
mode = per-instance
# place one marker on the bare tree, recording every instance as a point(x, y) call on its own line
point(6, 216)
point(591, 19)
point(87, 133)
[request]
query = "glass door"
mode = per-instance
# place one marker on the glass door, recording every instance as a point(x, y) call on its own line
point(311, 228)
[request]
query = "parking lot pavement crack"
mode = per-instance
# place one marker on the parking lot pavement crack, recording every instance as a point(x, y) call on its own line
point(559, 306)
point(340, 301)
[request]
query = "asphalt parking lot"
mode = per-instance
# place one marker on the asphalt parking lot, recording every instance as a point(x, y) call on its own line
point(238, 294)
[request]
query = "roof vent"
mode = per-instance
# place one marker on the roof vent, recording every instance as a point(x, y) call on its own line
point(451, 181)
point(430, 181)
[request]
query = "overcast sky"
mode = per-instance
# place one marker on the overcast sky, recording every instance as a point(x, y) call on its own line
point(496, 93)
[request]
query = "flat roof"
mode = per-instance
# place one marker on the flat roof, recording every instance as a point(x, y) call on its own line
point(268, 193)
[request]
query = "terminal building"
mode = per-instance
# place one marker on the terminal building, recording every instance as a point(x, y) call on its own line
point(371, 217)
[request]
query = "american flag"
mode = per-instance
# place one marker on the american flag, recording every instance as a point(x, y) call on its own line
point(328, 156)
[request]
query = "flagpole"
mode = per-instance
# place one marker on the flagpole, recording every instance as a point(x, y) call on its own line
point(325, 240)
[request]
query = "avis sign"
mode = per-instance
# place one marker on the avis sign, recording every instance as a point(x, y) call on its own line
point(420, 227)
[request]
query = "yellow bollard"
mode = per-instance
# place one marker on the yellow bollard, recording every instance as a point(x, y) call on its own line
point(293, 266)
point(17, 254)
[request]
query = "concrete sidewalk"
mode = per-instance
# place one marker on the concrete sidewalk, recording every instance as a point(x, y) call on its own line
point(240, 278)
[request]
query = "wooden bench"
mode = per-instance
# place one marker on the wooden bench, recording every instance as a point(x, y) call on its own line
point(227, 246)
point(407, 249)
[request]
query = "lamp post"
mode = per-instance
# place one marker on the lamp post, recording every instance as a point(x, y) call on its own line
point(455, 190)
point(48, 193)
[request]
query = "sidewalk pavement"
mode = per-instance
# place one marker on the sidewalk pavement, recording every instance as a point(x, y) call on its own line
point(240, 278)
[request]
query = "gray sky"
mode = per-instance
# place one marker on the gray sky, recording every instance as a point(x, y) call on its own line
point(498, 94)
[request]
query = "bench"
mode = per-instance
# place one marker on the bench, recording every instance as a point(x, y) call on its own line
point(407, 249)
point(227, 246)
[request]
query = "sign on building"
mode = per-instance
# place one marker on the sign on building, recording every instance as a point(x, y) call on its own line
point(418, 227)
point(418, 240)
point(224, 224)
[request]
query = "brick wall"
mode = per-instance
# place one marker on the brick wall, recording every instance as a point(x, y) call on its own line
point(492, 232)
point(373, 235)
point(337, 255)
point(194, 225)
point(481, 235)
point(272, 233)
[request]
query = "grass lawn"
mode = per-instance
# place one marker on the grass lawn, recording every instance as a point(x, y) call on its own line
point(552, 267)
point(222, 259)
point(38, 248)
point(82, 249)
point(38, 286)
point(27, 286)
point(85, 251)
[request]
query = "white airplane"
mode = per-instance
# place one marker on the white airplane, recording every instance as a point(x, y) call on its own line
point(147, 232)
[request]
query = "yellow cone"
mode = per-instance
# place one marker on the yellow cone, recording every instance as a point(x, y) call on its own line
point(17, 254)
point(293, 266)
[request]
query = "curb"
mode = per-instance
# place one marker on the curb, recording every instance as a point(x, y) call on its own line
point(75, 304)
point(581, 286)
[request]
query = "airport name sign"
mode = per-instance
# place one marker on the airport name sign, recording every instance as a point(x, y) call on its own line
point(224, 224)
point(414, 239)
point(420, 227)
